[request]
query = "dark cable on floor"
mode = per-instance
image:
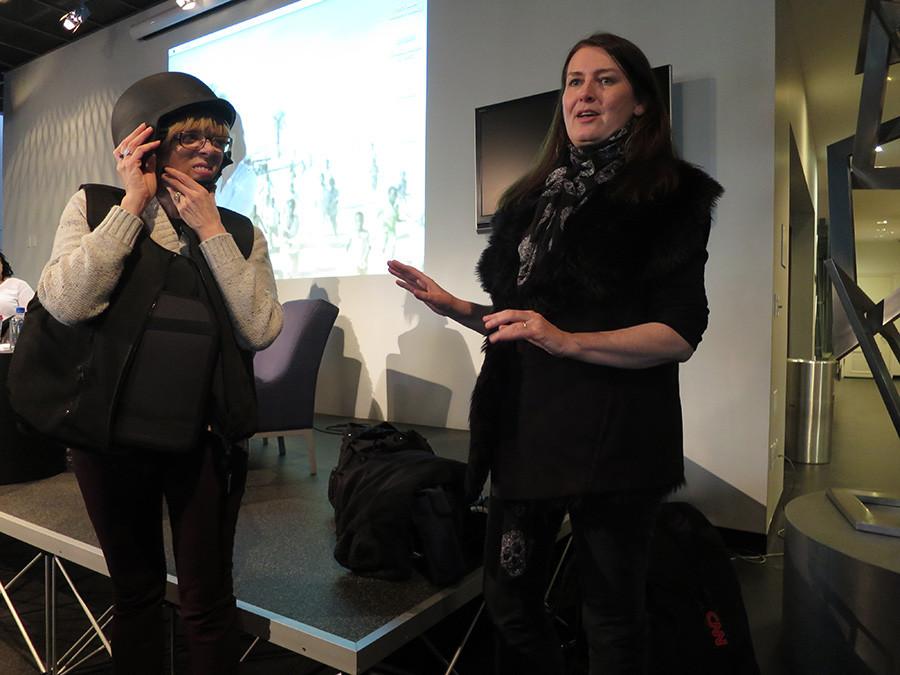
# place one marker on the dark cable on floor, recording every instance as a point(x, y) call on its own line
point(341, 428)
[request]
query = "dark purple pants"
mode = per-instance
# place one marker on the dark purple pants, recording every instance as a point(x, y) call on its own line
point(124, 497)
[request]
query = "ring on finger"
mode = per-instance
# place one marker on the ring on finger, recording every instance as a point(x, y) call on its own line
point(126, 152)
point(524, 324)
point(177, 196)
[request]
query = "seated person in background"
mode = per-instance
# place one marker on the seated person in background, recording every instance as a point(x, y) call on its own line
point(13, 292)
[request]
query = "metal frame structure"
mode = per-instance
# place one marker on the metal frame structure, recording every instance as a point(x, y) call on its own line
point(53, 564)
point(856, 318)
point(851, 165)
point(851, 161)
point(865, 320)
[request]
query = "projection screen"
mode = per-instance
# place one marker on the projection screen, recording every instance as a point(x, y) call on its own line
point(330, 141)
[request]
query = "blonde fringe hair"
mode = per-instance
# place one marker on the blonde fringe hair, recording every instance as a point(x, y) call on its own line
point(206, 125)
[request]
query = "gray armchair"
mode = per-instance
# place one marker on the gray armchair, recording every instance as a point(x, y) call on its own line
point(286, 374)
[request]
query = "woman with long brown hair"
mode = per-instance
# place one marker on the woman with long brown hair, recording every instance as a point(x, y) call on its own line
point(595, 269)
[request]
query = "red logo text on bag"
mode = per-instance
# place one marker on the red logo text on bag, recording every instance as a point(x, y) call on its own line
point(715, 628)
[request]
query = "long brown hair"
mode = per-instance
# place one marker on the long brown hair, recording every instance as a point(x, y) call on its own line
point(649, 143)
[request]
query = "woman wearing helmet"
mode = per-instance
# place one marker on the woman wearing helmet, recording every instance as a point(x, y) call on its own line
point(175, 294)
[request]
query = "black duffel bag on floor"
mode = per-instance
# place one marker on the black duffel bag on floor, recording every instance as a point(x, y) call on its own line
point(396, 502)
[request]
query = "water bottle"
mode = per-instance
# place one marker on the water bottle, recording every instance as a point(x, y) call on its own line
point(15, 326)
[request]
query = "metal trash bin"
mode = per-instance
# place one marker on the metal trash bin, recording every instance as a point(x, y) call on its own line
point(810, 409)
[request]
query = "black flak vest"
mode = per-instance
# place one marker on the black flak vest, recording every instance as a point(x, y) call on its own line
point(65, 381)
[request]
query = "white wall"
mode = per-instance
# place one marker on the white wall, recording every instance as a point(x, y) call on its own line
point(479, 52)
point(791, 114)
point(878, 257)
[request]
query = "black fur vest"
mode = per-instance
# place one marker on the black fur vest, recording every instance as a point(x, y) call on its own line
point(549, 427)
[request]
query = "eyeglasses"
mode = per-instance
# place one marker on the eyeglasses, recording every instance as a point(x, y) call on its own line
point(194, 140)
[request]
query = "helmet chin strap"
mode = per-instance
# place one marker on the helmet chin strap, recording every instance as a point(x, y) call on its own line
point(226, 162)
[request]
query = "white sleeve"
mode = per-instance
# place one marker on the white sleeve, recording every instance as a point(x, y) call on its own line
point(85, 266)
point(248, 286)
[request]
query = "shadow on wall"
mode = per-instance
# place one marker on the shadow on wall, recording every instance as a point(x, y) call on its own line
point(52, 160)
point(343, 378)
point(413, 400)
point(429, 347)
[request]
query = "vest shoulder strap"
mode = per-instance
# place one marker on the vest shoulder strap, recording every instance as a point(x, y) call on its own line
point(239, 227)
point(101, 198)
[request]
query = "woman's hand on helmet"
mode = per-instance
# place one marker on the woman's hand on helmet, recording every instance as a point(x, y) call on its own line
point(196, 204)
point(136, 166)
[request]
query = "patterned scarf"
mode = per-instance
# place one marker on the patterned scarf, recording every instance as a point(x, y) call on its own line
point(566, 189)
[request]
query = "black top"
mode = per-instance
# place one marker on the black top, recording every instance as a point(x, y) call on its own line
point(551, 427)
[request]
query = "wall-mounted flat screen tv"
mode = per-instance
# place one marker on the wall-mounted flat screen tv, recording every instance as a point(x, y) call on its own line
point(508, 136)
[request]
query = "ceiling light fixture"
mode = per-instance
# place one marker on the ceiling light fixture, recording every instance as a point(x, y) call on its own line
point(72, 21)
point(878, 148)
point(172, 15)
point(186, 4)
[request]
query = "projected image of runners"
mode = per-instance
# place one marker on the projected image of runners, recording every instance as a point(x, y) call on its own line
point(330, 147)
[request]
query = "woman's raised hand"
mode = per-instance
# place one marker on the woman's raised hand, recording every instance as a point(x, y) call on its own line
point(423, 287)
point(136, 166)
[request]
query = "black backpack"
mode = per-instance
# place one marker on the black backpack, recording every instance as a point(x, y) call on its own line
point(358, 446)
point(698, 621)
point(396, 506)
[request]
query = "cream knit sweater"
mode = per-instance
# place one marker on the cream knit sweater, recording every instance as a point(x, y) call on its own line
point(85, 266)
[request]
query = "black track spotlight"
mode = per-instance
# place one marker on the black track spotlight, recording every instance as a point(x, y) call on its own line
point(72, 21)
